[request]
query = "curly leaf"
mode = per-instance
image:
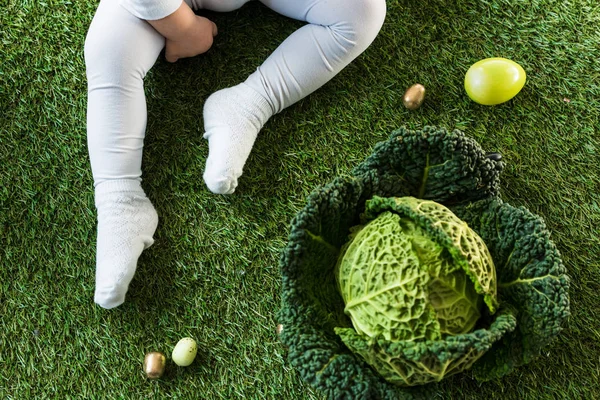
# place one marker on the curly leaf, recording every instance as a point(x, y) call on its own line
point(532, 279)
point(410, 363)
point(434, 163)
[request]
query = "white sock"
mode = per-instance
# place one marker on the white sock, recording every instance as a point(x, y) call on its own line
point(232, 119)
point(126, 222)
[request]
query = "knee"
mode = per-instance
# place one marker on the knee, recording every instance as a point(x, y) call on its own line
point(91, 47)
point(96, 51)
point(104, 59)
point(115, 59)
point(360, 22)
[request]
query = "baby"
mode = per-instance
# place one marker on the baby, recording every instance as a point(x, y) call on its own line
point(124, 41)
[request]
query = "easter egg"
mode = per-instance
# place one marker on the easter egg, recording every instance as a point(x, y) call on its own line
point(494, 81)
point(154, 364)
point(414, 96)
point(184, 352)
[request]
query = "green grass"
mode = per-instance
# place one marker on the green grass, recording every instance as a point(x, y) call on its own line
point(213, 271)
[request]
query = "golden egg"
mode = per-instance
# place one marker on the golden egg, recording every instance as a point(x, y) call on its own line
point(414, 96)
point(279, 329)
point(154, 364)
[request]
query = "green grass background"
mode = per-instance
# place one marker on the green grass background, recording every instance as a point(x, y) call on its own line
point(213, 272)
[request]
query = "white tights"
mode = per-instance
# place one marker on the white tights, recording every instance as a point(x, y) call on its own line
point(120, 49)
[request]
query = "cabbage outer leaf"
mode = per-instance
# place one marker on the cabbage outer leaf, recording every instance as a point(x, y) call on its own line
point(410, 363)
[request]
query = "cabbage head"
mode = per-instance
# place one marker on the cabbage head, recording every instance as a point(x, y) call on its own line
point(449, 168)
point(413, 272)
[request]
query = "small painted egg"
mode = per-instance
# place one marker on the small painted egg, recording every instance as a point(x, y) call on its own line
point(184, 352)
point(154, 364)
point(414, 96)
point(494, 81)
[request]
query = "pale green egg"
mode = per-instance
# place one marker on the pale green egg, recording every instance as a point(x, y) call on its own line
point(494, 81)
point(184, 352)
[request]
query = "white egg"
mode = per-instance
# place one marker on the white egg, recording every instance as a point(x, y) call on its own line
point(184, 352)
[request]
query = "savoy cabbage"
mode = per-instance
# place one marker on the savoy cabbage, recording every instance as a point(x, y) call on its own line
point(530, 287)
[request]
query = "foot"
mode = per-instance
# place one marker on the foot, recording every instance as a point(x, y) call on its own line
point(232, 119)
point(126, 222)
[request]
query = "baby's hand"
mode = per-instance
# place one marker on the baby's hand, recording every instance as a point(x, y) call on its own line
point(197, 39)
point(186, 33)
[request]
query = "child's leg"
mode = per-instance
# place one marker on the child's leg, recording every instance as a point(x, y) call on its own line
point(338, 31)
point(119, 51)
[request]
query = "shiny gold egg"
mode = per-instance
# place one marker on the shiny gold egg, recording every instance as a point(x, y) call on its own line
point(414, 96)
point(154, 364)
point(279, 329)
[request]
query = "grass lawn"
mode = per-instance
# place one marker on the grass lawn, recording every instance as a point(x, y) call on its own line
point(213, 271)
